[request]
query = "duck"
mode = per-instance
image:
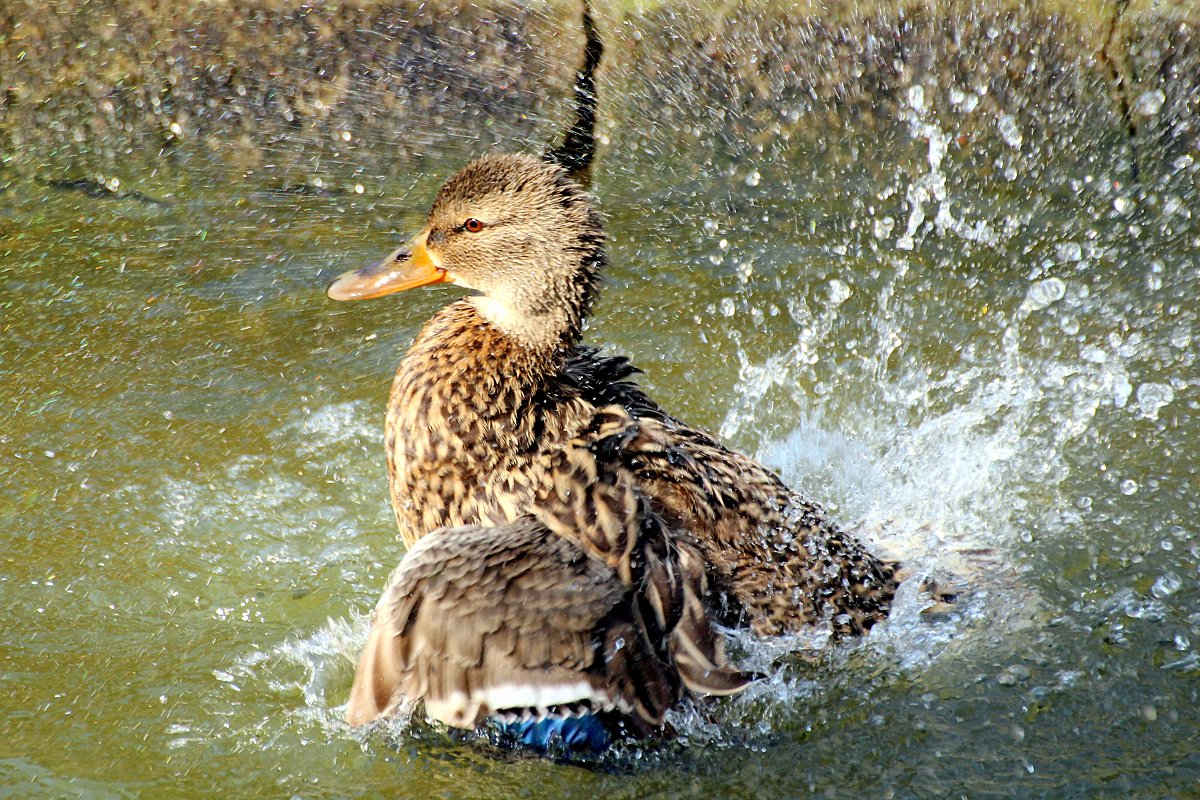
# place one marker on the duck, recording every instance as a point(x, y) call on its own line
point(579, 618)
point(573, 548)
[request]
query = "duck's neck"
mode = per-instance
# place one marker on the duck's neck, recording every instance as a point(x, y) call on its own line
point(471, 405)
point(544, 312)
point(544, 329)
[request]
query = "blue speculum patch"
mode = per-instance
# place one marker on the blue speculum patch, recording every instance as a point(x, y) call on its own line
point(577, 733)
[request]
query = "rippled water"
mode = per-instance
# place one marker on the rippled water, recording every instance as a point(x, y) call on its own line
point(973, 341)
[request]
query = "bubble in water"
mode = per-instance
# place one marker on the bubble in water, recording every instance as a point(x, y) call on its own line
point(727, 306)
point(1153, 396)
point(1150, 102)
point(1129, 486)
point(753, 178)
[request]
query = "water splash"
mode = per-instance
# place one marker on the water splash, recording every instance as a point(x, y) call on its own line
point(931, 188)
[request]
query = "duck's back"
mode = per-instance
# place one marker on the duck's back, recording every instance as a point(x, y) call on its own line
point(472, 418)
point(777, 561)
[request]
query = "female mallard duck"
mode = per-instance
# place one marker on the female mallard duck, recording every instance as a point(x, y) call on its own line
point(571, 544)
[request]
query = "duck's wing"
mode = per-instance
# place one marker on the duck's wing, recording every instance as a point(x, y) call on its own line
point(778, 561)
point(586, 603)
point(479, 621)
point(613, 521)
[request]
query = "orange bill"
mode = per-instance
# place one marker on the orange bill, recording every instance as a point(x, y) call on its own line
point(412, 265)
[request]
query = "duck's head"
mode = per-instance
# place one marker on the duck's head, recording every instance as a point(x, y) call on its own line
point(515, 229)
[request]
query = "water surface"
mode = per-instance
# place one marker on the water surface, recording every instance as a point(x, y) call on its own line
point(972, 339)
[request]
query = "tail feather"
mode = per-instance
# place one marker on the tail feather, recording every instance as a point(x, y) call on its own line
point(578, 148)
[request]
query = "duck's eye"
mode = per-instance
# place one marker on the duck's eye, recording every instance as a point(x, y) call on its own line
point(473, 225)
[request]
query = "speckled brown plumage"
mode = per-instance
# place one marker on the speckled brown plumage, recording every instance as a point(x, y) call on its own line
point(586, 599)
point(496, 400)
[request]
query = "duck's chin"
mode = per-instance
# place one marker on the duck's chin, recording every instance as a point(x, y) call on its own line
point(545, 329)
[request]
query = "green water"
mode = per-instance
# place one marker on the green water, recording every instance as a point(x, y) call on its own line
point(194, 518)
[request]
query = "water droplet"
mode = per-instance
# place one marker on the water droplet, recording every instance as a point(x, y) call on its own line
point(1129, 486)
point(1153, 396)
point(1150, 102)
point(916, 98)
point(727, 308)
point(1069, 251)
point(1010, 131)
point(1122, 388)
point(1013, 675)
point(838, 292)
point(1166, 585)
point(1044, 293)
point(753, 178)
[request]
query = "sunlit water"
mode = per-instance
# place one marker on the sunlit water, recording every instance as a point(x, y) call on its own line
point(974, 344)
